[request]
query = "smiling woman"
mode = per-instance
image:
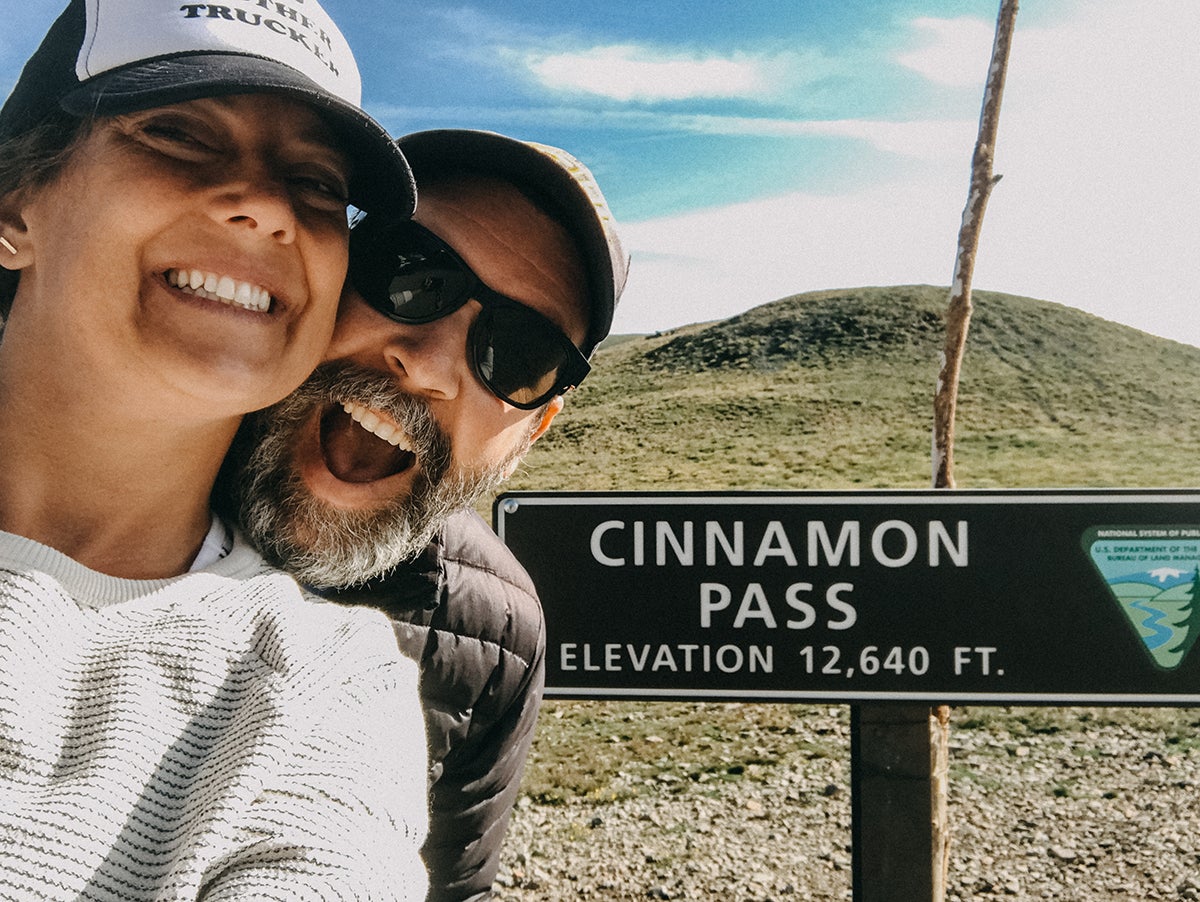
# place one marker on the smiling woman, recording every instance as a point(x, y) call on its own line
point(173, 260)
point(245, 192)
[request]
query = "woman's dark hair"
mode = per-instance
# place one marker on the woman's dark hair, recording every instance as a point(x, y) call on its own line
point(28, 161)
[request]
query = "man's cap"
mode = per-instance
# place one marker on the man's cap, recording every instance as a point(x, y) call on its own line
point(552, 177)
point(107, 57)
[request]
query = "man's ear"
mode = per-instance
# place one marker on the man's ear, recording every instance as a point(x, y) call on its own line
point(552, 408)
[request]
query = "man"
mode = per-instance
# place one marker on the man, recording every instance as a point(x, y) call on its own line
point(454, 345)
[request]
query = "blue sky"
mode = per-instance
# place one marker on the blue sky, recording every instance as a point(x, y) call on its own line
point(757, 149)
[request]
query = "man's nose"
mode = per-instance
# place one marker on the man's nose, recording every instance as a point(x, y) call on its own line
point(427, 358)
point(430, 358)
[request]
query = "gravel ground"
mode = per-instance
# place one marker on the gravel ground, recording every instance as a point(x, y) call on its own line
point(1062, 806)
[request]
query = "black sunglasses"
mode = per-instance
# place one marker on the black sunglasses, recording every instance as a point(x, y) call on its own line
point(411, 276)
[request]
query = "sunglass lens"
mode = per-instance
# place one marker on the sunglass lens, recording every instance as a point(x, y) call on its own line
point(518, 356)
point(419, 292)
point(404, 275)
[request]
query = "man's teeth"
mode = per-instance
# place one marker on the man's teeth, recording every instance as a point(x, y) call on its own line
point(225, 289)
point(376, 425)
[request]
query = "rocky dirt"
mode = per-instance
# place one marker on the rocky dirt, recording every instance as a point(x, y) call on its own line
point(1046, 804)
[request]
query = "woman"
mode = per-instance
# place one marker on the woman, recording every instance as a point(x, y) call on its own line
point(176, 719)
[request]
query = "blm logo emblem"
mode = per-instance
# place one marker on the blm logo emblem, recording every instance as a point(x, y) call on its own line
point(1153, 574)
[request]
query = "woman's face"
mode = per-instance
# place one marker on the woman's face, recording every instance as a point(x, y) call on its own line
point(192, 251)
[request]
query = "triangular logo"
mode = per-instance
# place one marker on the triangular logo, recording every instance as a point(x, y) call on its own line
point(1153, 574)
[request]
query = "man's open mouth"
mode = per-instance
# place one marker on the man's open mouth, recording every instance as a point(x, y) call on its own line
point(363, 445)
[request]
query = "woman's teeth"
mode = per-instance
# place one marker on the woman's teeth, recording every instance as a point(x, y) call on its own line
point(225, 289)
point(376, 425)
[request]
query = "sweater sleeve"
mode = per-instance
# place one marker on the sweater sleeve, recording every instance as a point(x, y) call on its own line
point(345, 815)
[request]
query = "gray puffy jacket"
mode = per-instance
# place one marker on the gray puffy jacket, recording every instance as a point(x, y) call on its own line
point(467, 612)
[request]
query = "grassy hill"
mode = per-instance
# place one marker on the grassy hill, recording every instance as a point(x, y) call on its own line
point(833, 389)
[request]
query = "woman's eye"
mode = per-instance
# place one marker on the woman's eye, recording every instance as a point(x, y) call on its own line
point(172, 136)
point(326, 188)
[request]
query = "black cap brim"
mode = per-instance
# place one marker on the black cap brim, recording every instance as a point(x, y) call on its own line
point(381, 180)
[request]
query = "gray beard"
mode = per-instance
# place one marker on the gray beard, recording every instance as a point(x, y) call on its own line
point(327, 547)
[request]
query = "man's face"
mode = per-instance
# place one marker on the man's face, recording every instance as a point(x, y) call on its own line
point(357, 470)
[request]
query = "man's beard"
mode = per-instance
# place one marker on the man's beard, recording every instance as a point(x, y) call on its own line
point(328, 547)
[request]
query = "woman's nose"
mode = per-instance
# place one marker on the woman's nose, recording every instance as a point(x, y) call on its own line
point(258, 199)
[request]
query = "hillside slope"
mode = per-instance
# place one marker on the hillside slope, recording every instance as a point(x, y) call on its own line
point(833, 389)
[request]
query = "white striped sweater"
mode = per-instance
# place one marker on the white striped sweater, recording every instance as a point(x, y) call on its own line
point(219, 735)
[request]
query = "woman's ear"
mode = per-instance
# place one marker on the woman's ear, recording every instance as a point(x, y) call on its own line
point(14, 246)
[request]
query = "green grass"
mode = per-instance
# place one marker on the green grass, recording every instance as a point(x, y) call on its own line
point(603, 751)
point(833, 390)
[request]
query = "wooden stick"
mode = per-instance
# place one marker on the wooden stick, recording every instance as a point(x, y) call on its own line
point(945, 402)
point(958, 312)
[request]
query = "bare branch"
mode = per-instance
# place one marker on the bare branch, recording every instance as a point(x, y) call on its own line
point(958, 312)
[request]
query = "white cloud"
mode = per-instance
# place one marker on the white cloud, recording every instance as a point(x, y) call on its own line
point(1097, 144)
point(928, 139)
point(715, 263)
point(1097, 208)
point(959, 53)
point(631, 73)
